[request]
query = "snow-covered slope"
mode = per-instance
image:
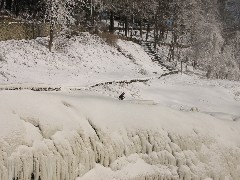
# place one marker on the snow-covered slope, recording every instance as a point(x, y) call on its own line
point(175, 127)
point(184, 92)
point(80, 61)
point(61, 135)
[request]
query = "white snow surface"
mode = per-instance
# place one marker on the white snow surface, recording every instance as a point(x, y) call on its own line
point(60, 135)
point(184, 92)
point(175, 127)
point(80, 61)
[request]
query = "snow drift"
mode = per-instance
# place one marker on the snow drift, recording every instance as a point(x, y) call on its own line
point(57, 135)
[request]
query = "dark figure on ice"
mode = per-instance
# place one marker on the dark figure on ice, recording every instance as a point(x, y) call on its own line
point(121, 97)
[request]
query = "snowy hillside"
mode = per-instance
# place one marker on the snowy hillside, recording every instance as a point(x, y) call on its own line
point(168, 127)
point(61, 136)
point(80, 61)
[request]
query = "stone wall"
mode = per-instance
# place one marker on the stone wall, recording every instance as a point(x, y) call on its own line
point(21, 30)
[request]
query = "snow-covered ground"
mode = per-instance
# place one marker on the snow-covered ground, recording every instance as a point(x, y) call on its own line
point(79, 61)
point(186, 93)
point(59, 135)
point(172, 127)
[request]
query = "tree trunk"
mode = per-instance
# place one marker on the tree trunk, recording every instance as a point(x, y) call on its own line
point(33, 30)
point(161, 33)
point(148, 29)
point(155, 34)
point(171, 56)
point(171, 53)
point(51, 35)
point(181, 67)
point(2, 4)
point(132, 26)
point(16, 7)
point(9, 5)
point(194, 64)
point(126, 26)
point(51, 30)
point(92, 16)
point(141, 27)
point(111, 27)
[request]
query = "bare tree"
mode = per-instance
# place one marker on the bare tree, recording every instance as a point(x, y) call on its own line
point(59, 14)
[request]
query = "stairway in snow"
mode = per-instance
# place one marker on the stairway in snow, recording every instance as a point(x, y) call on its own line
point(148, 46)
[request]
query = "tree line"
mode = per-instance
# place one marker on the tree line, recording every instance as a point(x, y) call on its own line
point(205, 32)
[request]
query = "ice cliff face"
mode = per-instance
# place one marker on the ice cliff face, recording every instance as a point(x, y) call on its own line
point(60, 136)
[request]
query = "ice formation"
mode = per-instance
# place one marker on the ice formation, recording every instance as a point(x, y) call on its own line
point(56, 135)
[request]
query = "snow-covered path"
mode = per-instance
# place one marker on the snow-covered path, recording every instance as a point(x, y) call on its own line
point(45, 87)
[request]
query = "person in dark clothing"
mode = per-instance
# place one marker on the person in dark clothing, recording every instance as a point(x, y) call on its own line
point(121, 97)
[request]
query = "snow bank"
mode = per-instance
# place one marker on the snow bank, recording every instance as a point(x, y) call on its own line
point(57, 135)
point(80, 61)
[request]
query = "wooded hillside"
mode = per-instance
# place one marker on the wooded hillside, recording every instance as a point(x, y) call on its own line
point(203, 33)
